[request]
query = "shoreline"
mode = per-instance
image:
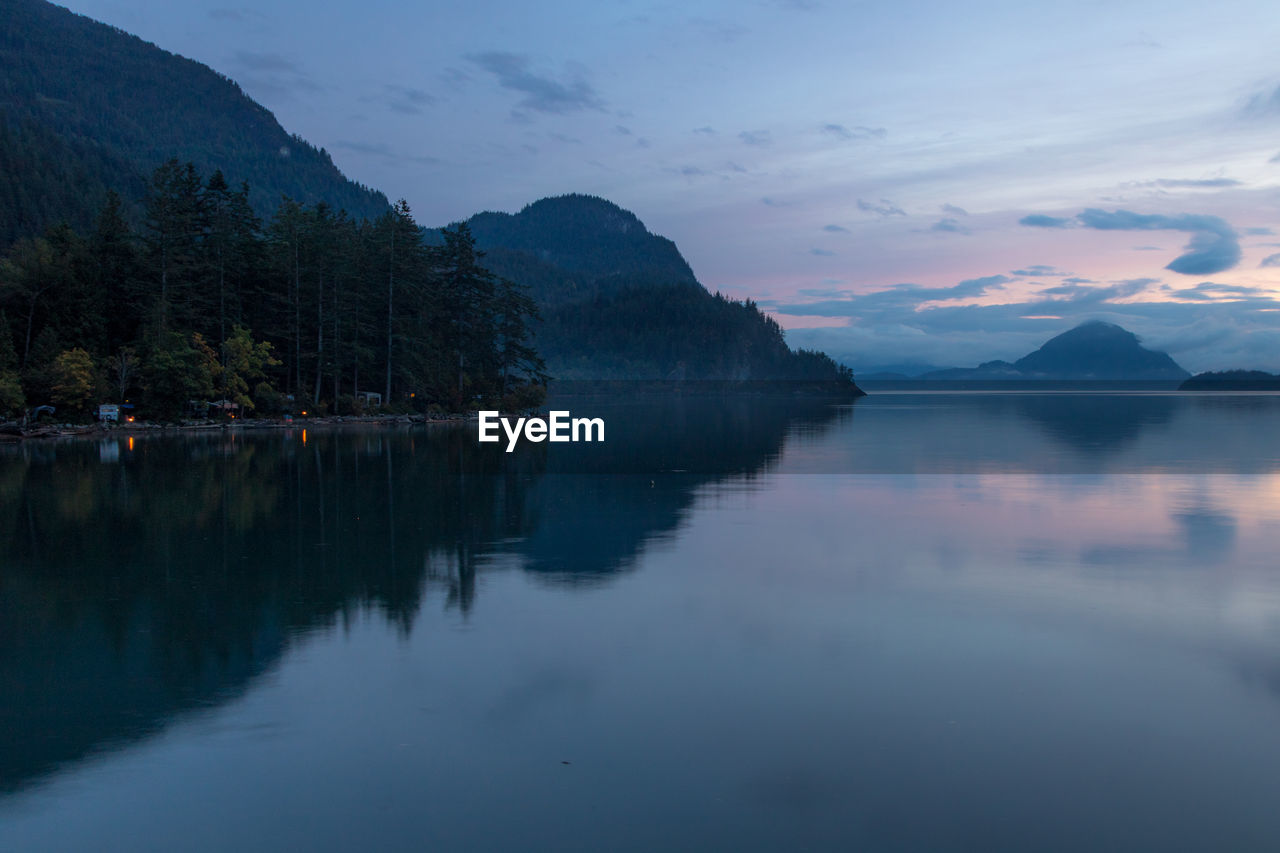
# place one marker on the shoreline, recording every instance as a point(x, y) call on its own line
point(11, 433)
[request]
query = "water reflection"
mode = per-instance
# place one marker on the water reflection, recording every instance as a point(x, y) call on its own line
point(148, 575)
point(979, 628)
point(1058, 432)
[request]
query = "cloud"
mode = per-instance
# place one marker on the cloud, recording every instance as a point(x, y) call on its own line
point(540, 93)
point(1263, 104)
point(954, 211)
point(822, 253)
point(381, 151)
point(706, 130)
point(408, 100)
point(835, 229)
point(273, 73)
point(884, 208)
point(1039, 220)
point(1214, 245)
point(839, 131)
point(1184, 183)
point(234, 16)
point(949, 225)
point(1080, 294)
point(759, 138)
point(1259, 232)
point(266, 61)
point(772, 202)
point(1271, 261)
point(1211, 291)
point(1037, 271)
point(912, 324)
point(718, 30)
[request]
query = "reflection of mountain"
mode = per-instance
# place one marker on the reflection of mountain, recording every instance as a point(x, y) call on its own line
point(1090, 423)
point(146, 580)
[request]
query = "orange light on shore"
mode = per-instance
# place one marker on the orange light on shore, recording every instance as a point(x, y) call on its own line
point(129, 419)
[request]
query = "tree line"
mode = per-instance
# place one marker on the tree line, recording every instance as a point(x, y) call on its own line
point(313, 310)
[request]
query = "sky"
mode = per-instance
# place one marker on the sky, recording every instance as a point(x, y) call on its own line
point(895, 182)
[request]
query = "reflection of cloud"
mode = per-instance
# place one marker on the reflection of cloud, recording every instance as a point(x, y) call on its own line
point(823, 253)
point(1207, 533)
point(1271, 261)
point(835, 229)
point(758, 138)
point(541, 93)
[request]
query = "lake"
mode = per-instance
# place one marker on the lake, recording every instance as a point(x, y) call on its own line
point(921, 621)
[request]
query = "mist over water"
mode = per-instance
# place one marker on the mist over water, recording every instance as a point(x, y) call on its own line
point(918, 621)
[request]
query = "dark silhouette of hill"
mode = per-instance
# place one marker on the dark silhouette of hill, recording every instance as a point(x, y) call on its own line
point(1097, 350)
point(619, 302)
point(1091, 351)
point(85, 108)
point(1232, 380)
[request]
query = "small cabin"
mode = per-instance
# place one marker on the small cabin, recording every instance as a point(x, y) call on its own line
point(109, 413)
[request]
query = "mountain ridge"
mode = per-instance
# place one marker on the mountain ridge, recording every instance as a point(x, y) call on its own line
point(1092, 351)
point(621, 302)
point(86, 108)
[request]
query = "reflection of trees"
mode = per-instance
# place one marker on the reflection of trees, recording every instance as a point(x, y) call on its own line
point(140, 583)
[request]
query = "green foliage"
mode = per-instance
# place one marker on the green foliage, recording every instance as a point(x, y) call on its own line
point(245, 361)
point(12, 400)
point(75, 383)
point(180, 368)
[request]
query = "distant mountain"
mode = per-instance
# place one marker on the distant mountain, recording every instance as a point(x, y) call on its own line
point(619, 302)
point(1098, 350)
point(1091, 351)
point(1232, 380)
point(85, 107)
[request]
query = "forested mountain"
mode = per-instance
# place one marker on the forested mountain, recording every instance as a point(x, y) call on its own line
point(311, 311)
point(619, 302)
point(86, 108)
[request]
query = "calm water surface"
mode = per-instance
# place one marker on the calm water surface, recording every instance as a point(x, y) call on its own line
point(921, 622)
